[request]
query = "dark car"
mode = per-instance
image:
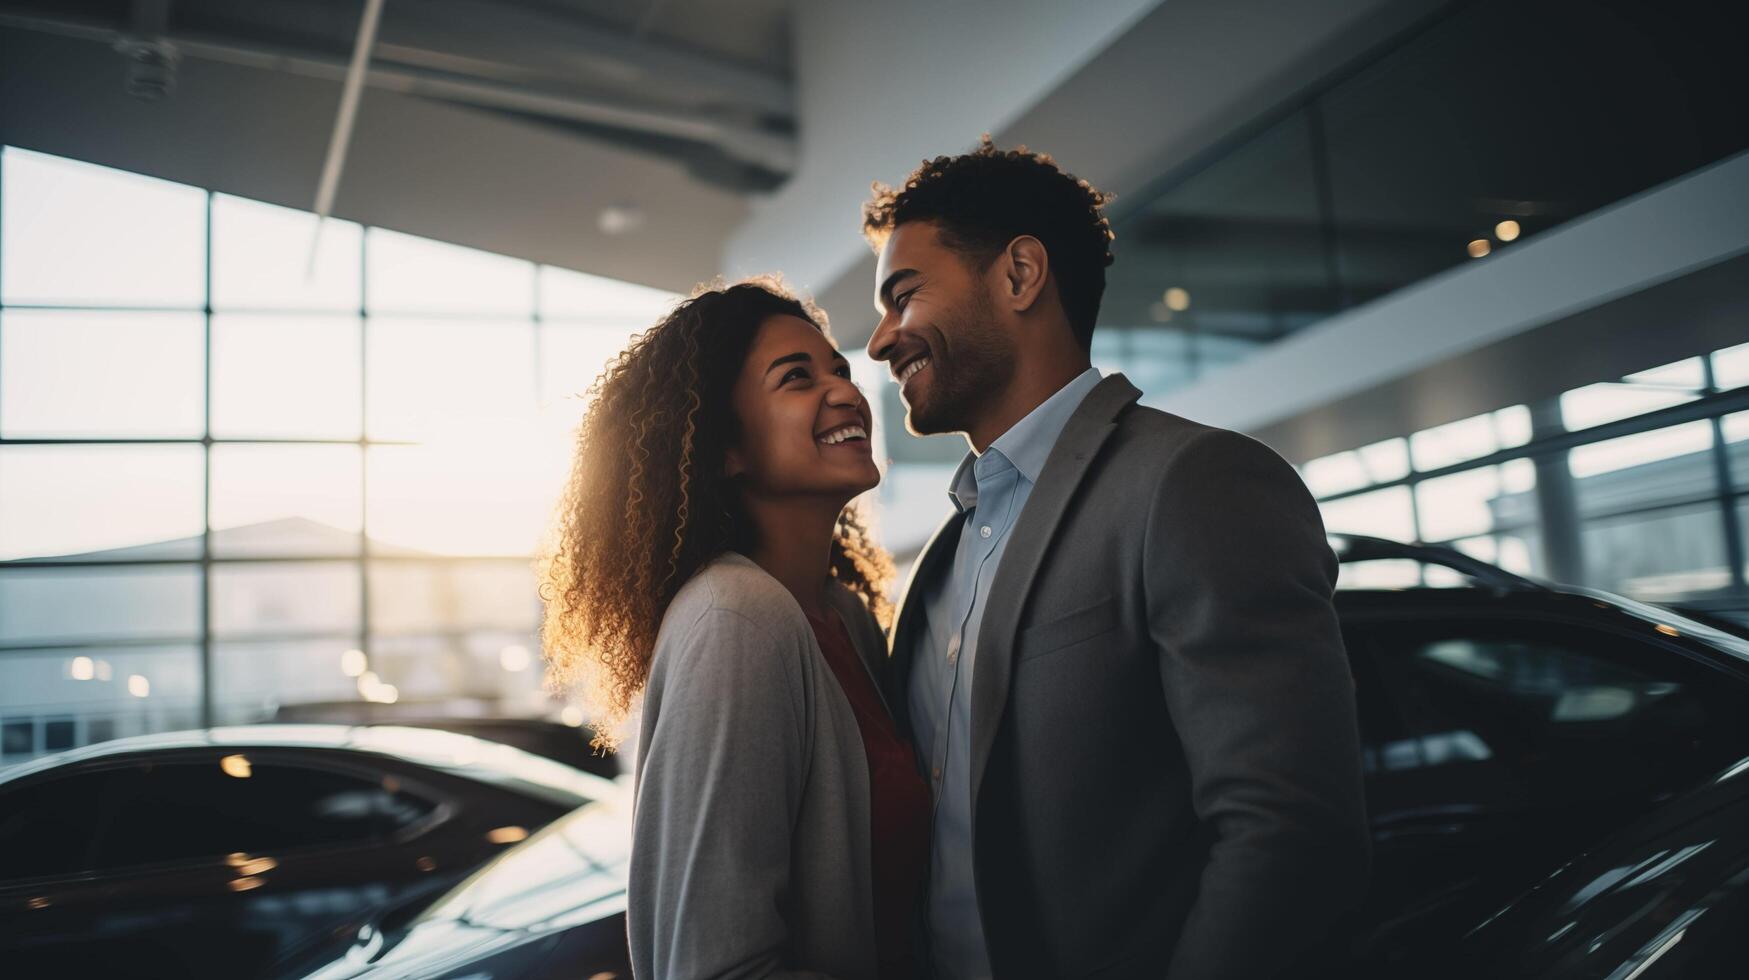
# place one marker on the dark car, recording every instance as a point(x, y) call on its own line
point(1507, 727)
point(1666, 898)
point(551, 908)
point(216, 853)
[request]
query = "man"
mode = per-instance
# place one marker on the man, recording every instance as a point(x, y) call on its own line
point(1118, 657)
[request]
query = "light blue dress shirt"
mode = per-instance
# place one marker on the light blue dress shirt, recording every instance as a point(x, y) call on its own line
point(990, 490)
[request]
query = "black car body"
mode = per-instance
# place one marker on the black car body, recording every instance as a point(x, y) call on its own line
point(218, 853)
point(1667, 898)
point(1507, 727)
point(551, 908)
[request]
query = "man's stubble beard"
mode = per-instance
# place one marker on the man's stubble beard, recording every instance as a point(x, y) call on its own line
point(961, 383)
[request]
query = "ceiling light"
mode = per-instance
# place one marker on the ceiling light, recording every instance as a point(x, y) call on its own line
point(620, 219)
point(1506, 230)
point(138, 686)
point(1177, 299)
point(1479, 248)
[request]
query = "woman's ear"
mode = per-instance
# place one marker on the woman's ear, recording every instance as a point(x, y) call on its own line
point(732, 463)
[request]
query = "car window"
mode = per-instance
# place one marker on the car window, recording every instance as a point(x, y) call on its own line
point(48, 826)
point(238, 804)
point(1566, 706)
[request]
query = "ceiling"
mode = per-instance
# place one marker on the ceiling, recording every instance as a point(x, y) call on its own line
point(614, 136)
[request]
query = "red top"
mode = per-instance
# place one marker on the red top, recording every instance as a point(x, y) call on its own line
point(898, 803)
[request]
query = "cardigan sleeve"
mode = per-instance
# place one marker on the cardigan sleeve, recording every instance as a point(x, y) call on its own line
point(722, 765)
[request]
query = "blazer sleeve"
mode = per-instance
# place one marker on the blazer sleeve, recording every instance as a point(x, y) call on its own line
point(1239, 577)
point(721, 774)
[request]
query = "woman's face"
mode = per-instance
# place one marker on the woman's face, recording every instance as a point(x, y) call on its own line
point(805, 426)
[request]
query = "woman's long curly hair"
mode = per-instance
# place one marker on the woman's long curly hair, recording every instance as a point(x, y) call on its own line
point(648, 504)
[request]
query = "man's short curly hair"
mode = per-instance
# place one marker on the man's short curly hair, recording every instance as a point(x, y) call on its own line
point(985, 199)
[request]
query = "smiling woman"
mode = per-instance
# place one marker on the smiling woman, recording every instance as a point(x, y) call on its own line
point(735, 403)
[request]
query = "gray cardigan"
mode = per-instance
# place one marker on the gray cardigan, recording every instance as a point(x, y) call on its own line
point(750, 840)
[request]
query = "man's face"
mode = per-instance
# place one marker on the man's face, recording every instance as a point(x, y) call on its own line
point(939, 331)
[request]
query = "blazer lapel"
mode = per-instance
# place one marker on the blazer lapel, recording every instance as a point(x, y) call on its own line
point(905, 634)
point(1086, 431)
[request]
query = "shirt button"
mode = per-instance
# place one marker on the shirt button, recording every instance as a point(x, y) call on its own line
point(984, 531)
point(938, 774)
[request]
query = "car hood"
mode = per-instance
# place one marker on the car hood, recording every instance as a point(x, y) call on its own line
point(570, 874)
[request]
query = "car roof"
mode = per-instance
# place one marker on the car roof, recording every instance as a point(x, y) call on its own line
point(464, 755)
point(1606, 608)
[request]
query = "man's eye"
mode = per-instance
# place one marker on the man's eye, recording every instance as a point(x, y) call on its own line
point(901, 300)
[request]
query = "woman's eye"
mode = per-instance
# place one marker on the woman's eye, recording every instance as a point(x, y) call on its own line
point(793, 374)
point(843, 371)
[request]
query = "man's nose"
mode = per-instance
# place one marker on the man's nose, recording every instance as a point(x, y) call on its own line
point(880, 346)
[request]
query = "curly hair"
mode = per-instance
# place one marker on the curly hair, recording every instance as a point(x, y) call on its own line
point(985, 199)
point(647, 503)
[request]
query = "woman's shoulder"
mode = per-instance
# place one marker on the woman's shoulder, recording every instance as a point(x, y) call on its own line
point(735, 594)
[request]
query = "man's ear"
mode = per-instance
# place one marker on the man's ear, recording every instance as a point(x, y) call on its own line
point(1025, 268)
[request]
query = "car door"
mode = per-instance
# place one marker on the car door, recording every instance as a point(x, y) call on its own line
point(1495, 748)
point(217, 864)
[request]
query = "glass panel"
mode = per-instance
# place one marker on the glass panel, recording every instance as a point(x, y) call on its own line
point(75, 234)
point(578, 295)
point(572, 356)
point(262, 261)
point(1382, 513)
point(1731, 367)
point(1456, 442)
point(80, 374)
point(1636, 394)
point(252, 680)
point(1379, 573)
point(1468, 503)
point(300, 597)
point(474, 665)
point(292, 377)
point(60, 605)
point(1234, 253)
point(417, 275)
point(106, 692)
point(1155, 359)
point(104, 502)
point(1658, 555)
point(430, 597)
point(430, 379)
point(272, 501)
point(1638, 455)
point(464, 498)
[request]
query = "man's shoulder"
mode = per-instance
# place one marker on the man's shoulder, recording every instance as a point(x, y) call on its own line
point(1153, 437)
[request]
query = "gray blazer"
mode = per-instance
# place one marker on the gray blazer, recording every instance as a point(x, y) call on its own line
point(1165, 756)
point(750, 839)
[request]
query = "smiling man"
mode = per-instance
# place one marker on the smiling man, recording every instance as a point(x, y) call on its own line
point(1118, 656)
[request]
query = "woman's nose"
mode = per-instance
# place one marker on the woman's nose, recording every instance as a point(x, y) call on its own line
point(843, 391)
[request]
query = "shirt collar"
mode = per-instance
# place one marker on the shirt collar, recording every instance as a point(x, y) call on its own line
point(1028, 443)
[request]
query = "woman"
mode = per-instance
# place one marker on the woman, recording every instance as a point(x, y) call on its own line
point(708, 559)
